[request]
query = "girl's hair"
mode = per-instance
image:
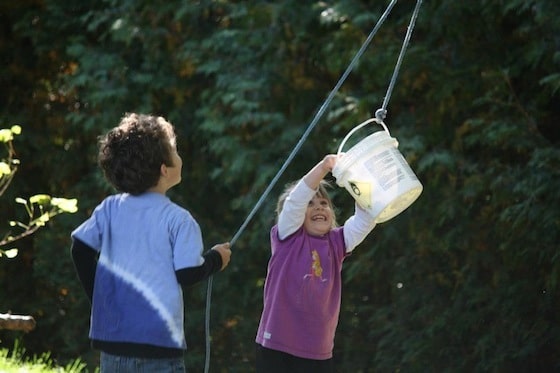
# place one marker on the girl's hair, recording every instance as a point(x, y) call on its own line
point(321, 192)
point(132, 153)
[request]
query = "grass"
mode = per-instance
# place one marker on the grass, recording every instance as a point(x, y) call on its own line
point(15, 362)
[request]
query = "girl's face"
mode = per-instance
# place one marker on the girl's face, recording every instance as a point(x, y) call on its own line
point(318, 217)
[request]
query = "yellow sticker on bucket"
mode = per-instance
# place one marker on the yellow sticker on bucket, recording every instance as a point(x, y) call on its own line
point(361, 191)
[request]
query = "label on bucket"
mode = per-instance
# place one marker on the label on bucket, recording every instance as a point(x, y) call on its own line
point(385, 168)
point(405, 166)
point(361, 191)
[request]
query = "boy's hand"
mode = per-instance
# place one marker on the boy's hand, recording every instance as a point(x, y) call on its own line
point(225, 253)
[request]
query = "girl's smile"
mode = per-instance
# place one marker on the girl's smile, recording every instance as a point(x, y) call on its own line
point(318, 217)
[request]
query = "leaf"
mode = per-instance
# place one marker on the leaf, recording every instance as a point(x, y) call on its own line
point(40, 199)
point(65, 204)
point(12, 253)
point(16, 129)
point(439, 158)
point(42, 220)
point(6, 135)
point(5, 169)
point(552, 80)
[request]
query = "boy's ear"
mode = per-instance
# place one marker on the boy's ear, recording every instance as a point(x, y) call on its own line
point(163, 170)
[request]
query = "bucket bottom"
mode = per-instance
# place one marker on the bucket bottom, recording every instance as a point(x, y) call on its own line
point(398, 205)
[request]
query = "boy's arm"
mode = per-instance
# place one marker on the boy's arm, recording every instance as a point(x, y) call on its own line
point(215, 260)
point(85, 263)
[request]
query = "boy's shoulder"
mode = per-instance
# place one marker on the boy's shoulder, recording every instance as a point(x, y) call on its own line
point(141, 201)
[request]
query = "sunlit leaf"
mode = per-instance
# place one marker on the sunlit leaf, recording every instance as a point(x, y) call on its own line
point(40, 199)
point(43, 219)
point(5, 169)
point(6, 135)
point(65, 204)
point(16, 129)
point(12, 253)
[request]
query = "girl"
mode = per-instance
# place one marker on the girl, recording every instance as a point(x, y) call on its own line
point(302, 292)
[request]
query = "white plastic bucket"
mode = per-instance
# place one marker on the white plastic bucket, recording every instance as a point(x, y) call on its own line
point(376, 174)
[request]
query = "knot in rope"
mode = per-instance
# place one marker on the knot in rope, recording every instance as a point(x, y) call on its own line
point(380, 114)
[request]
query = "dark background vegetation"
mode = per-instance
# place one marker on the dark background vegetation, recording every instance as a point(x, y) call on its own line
point(465, 280)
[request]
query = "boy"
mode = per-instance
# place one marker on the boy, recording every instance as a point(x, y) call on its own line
point(138, 249)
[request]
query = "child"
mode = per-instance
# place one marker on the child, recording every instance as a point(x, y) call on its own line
point(138, 248)
point(302, 292)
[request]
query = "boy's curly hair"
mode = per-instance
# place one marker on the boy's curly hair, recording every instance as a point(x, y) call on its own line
point(132, 153)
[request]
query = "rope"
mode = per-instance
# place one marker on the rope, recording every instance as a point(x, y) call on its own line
point(299, 144)
point(381, 113)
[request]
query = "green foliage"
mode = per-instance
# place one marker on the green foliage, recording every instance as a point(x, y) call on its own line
point(15, 361)
point(8, 165)
point(46, 205)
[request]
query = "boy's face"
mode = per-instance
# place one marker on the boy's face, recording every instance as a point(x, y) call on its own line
point(174, 171)
point(318, 216)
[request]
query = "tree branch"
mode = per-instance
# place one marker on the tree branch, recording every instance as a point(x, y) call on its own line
point(17, 322)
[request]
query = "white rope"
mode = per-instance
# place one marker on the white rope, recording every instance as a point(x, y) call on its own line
point(381, 113)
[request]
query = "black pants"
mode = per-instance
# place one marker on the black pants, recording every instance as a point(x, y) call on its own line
point(272, 361)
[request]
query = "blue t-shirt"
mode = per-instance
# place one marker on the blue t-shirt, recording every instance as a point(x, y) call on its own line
point(142, 240)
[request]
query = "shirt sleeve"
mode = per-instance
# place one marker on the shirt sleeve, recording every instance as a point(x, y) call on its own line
point(89, 232)
point(85, 263)
point(189, 276)
point(357, 227)
point(188, 245)
point(293, 212)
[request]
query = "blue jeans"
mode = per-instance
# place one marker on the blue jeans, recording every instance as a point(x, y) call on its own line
point(125, 364)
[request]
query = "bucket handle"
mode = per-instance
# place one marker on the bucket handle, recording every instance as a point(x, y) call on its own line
point(357, 128)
